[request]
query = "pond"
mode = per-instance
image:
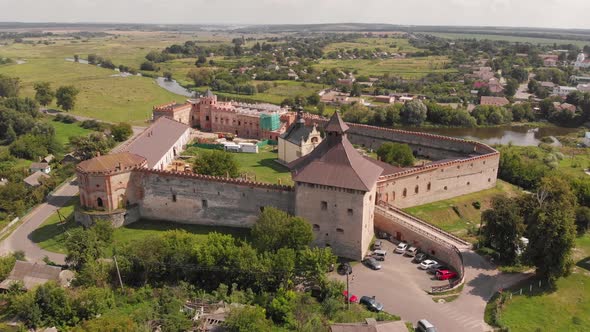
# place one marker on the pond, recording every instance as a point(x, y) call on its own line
point(174, 87)
point(518, 135)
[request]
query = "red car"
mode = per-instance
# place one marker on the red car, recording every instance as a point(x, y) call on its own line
point(445, 274)
point(353, 298)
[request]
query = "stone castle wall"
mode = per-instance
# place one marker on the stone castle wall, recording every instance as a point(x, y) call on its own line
point(206, 200)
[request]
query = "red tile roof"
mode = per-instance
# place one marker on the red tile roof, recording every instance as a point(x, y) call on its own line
point(335, 162)
point(111, 163)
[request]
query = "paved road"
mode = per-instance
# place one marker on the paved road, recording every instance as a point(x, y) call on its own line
point(20, 238)
point(400, 287)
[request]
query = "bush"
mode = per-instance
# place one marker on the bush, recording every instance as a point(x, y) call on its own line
point(476, 205)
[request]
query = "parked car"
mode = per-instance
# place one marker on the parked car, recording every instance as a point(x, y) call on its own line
point(427, 264)
point(439, 266)
point(353, 298)
point(401, 248)
point(425, 326)
point(344, 268)
point(371, 303)
point(411, 251)
point(379, 255)
point(372, 263)
point(445, 274)
point(378, 245)
point(420, 257)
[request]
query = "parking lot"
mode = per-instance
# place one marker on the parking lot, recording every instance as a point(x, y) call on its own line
point(401, 287)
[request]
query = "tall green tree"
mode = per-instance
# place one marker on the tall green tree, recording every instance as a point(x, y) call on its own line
point(121, 131)
point(87, 147)
point(414, 112)
point(66, 97)
point(43, 93)
point(397, 154)
point(9, 86)
point(247, 319)
point(503, 228)
point(276, 229)
point(216, 163)
point(552, 229)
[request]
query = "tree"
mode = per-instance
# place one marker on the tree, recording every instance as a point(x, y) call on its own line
point(148, 66)
point(276, 229)
point(356, 90)
point(201, 76)
point(216, 163)
point(55, 305)
point(552, 229)
point(121, 131)
point(247, 319)
point(168, 76)
point(43, 93)
point(92, 59)
point(582, 220)
point(397, 154)
point(503, 228)
point(414, 112)
point(9, 86)
point(87, 245)
point(511, 87)
point(201, 60)
point(66, 97)
point(87, 147)
point(76, 58)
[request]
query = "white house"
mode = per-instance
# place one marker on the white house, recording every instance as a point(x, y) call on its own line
point(563, 91)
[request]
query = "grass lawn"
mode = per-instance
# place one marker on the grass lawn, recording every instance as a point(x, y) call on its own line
point(565, 309)
point(390, 44)
point(259, 167)
point(575, 161)
point(51, 234)
point(442, 214)
point(409, 68)
point(63, 131)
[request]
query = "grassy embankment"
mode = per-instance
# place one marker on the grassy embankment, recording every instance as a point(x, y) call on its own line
point(458, 215)
point(563, 309)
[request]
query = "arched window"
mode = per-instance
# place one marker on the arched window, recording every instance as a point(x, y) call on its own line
point(316, 227)
point(314, 140)
point(416, 189)
point(99, 202)
point(405, 193)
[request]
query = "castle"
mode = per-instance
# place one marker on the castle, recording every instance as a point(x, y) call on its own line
point(336, 187)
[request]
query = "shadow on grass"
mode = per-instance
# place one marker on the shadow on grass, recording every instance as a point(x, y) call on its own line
point(271, 163)
point(52, 231)
point(584, 263)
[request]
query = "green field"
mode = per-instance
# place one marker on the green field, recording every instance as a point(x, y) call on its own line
point(565, 309)
point(260, 167)
point(389, 45)
point(410, 68)
point(51, 234)
point(63, 131)
point(513, 39)
point(278, 92)
point(442, 214)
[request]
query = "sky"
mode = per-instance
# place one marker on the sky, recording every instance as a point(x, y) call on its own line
point(519, 13)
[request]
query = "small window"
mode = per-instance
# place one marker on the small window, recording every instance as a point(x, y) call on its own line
point(174, 197)
point(339, 230)
point(445, 187)
point(99, 202)
point(261, 209)
point(207, 118)
point(405, 193)
point(416, 189)
point(350, 212)
point(484, 162)
point(468, 183)
point(316, 227)
point(204, 203)
point(428, 186)
point(324, 205)
point(489, 179)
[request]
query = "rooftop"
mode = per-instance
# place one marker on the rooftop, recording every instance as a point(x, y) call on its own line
point(497, 101)
point(31, 274)
point(157, 140)
point(111, 163)
point(33, 179)
point(335, 162)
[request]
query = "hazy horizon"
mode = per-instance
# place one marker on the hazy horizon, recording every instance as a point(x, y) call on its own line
point(496, 13)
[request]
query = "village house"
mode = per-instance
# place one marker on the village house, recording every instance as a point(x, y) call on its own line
point(583, 87)
point(35, 274)
point(549, 60)
point(34, 180)
point(582, 61)
point(494, 101)
point(42, 167)
point(563, 91)
point(385, 99)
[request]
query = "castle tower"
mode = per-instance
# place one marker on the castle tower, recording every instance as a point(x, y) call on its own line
point(335, 191)
point(204, 109)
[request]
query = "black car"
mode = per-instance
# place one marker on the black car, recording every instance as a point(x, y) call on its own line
point(420, 257)
point(344, 268)
point(372, 263)
point(371, 303)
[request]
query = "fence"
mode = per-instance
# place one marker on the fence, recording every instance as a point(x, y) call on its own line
point(206, 146)
point(264, 143)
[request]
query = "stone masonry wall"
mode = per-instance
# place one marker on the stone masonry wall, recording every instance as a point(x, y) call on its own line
point(387, 222)
point(205, 200)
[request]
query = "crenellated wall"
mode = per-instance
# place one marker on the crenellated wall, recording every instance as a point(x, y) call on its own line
point(206, 200)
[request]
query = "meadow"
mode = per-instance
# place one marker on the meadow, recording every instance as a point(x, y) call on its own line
point(409, 68)
point(397, 45)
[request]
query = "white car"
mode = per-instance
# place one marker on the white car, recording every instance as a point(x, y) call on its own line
point(411, 251)
point(401, 248)
point(427, 264)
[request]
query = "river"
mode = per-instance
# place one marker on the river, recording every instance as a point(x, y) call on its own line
point(517, 135)
point(174, 87)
